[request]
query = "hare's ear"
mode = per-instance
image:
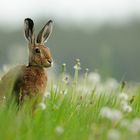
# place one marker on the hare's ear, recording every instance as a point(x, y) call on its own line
point(45, 32)
point(29, 30)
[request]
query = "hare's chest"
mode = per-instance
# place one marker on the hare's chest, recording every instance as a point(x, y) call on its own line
point(33, 81)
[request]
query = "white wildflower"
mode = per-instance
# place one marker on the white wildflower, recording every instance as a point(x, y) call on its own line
point(112, 84)
point(66, 79)
point(135, 126)
point(42, 105)
point(4, 97)
point(127, 108)
point(83, 89)
point(117, 115)
point(111, 114)
point(124, 123)
point(94, 77)
point(65, 91)
point(46, 94)
point(55, 88)
point(123, 96)
point(63, 64)
point(123, 103)
point(63, 68)
point(113, 134)
point(59, 130)
point(87, 70)
point(105, 112)
point(100, 89)
point(77, 67)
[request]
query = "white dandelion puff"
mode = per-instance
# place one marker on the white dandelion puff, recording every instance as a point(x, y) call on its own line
point(105, 112)
point(127, 108)
point(111, 84)
point(123, 96)
point(46, 94)
point(135, 126)
point(4, 97)
point(66, 79)
point(64, 92)
point(84, 89)
point(77, 67)
point(111, 114)
point(42, 105)
point(125, 123)
point(113, 134)
point(55, 88)
point(94, 77)
point(63, 64)
point(123, 103)
point(59, 130)
point(117, 115)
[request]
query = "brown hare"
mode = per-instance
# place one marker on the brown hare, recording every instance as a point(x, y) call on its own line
point(31, 80)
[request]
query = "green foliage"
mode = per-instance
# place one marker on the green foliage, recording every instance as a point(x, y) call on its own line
point(71, 116)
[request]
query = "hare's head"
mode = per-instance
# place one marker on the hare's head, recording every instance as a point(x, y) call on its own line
point(39, 54)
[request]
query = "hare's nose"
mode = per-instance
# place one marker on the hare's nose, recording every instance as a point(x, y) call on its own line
point(50, 61)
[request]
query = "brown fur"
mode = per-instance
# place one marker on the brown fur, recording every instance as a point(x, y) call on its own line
point(31, 82)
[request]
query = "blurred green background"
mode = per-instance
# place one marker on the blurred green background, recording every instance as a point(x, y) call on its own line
point(111, 48)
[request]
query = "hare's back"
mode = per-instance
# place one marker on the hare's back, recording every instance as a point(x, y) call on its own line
point(8, 80)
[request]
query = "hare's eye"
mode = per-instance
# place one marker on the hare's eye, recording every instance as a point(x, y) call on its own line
point(37, 50)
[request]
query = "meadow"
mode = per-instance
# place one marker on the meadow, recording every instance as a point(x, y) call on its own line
point(82, 107)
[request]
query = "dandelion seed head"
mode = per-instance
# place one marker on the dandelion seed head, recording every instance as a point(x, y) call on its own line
point(63, 64)
point(127, 108)
point(112, 84)
point(42, 105)
point(59, 130)
point(55, 88)
point(105, 112)
point(66, 79)
point(83, 89)
point(87, 69)
point(123, 103)
point(65, 91)
point(135, 126)
point(124, 123)
point(117, 115)
point(78, 60)
point(94, 77)
point(77, 67)
point(46, 94)
point(123, 96)
point(4, 98)
point(113, 134)
point(111, 114)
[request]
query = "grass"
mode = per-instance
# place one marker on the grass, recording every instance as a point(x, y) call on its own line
point(73, 115)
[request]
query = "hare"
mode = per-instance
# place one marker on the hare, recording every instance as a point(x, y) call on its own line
point(31, 80)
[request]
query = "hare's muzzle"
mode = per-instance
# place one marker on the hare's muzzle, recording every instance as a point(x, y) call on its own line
point(49, 63)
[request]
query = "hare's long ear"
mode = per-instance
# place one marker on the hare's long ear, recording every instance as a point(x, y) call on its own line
point(45, 32)
point(29, 30)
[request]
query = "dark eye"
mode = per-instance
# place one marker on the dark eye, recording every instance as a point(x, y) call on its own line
point(37, 50)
